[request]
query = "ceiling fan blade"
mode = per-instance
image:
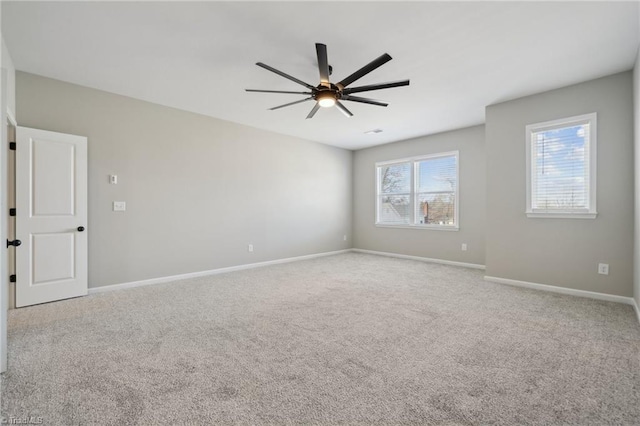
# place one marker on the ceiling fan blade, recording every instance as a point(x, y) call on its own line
point(343, 109)
point(291, 103)
point(363, 100)
point(315, 109)
point(376, 87)
point(323, 64)
point(365, 70)
point(285, 75)
point(277, 91)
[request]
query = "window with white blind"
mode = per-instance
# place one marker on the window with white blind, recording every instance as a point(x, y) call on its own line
point(561, 168)
point(418, 192)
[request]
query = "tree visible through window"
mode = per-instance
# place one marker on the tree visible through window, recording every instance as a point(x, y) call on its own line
point(420, 191)
point(395, 193)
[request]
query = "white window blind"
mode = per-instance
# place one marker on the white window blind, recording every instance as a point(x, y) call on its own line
point(436, 183)
point(561, 168)
point(420, 191)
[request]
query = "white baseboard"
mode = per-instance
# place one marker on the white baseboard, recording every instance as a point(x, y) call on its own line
point(544, 287)
point(637, 309)
point(421, 259)
point(161, 280)
point(563, 290)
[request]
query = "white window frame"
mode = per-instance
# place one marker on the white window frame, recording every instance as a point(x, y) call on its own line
point(586, 213)
point(412, 194)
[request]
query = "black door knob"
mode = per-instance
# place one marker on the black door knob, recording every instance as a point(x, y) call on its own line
point(14, 243)
point(80, 228)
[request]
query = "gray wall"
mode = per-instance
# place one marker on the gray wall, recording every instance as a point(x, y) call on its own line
point(636, 216)
point(436, 244)
point(198, 189)
point(7, 64)
point(563, 252)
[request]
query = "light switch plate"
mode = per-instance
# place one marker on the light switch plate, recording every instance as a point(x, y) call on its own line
point(119, 206)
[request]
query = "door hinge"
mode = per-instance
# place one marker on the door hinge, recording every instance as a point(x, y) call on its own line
point(12, 146)
point(12, 278)
point(12, 212)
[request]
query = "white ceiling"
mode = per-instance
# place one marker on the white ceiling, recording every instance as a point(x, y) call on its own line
point(460, 56)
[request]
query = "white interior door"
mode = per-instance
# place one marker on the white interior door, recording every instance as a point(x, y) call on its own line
point(51, 219)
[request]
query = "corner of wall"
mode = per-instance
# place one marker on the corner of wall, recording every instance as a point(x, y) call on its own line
point(636, 148)
point(7, 63)
point(6, 94)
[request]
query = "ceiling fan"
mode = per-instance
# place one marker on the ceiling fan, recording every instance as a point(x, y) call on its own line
point(327, 94)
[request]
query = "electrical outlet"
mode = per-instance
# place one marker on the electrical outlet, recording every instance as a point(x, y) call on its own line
point(250, 247)
point(113, 179)
point(603, 268)
point(344, 238)
point(119, 206)
point(464, 246)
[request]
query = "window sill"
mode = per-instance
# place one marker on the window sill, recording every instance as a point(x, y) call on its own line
point(562, 215)
point(422, 227)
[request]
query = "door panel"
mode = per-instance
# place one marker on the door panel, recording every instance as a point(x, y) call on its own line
point(51, 203)
point(52, 257)
point(53, 187)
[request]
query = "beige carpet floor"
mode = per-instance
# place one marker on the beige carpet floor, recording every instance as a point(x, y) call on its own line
point(346, 339)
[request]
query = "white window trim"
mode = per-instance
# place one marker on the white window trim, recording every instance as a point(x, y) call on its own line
point(589, 213)
point(412, 193)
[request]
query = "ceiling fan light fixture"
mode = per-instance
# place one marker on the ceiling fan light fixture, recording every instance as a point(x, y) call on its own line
point(326, 100)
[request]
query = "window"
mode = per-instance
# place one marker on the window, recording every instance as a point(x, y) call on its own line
point(561, 168)
point(418, 192)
